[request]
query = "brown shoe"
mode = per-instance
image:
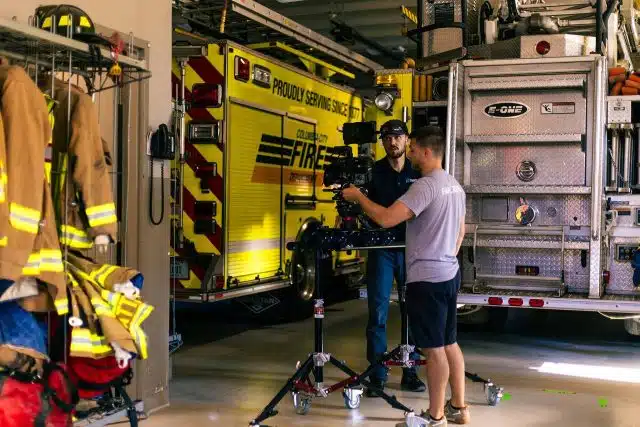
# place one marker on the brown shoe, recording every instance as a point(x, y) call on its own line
point(457, 416)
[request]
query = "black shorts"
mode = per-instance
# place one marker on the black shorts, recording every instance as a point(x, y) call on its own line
point(431, 308)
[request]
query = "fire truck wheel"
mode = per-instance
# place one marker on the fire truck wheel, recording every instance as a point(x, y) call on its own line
point(632, 326)
point(497, 319)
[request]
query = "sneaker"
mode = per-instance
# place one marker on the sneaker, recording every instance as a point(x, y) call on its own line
point(424, 420)
point(376, 383)
point(411, 382)
point(457, 416)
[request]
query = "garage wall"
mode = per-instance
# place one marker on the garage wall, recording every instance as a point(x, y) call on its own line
point(147, 245)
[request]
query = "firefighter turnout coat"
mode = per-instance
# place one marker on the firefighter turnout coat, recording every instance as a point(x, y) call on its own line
point(78, 150)
point(28, 237)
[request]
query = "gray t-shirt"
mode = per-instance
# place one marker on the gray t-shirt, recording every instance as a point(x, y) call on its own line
point(438, 203)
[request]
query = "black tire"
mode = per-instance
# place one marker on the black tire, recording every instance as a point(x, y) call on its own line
point(497, 319)
point(299, 296)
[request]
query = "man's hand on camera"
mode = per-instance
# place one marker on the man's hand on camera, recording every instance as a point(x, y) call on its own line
point(352, 194)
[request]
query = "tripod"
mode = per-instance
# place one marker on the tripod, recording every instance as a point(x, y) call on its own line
point(400, 355)
point(301, 387)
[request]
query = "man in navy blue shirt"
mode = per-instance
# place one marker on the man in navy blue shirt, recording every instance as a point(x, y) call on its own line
point(392, 177)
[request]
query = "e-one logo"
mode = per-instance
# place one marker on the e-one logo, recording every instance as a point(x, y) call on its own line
point(506, 110)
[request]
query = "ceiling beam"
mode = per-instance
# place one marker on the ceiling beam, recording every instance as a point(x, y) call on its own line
point(306, 8)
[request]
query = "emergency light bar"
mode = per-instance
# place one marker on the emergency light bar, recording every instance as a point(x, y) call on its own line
point(242, 69)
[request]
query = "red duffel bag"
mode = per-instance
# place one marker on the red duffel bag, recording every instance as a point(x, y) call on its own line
point(27, 399)
point(93, 377)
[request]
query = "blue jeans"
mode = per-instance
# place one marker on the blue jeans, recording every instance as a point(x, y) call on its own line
point(382, 267)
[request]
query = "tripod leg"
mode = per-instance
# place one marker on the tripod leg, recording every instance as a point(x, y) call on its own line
point(391, 400)
point(269, 410)
point(389, 356)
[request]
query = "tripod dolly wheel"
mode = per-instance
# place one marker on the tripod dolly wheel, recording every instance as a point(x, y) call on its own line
point(352, 397)
point(494, 393)
point(301, 402)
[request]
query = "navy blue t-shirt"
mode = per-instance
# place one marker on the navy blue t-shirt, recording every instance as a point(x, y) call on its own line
point(387, 186)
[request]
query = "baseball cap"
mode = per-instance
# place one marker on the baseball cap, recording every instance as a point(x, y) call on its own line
point(393, 127)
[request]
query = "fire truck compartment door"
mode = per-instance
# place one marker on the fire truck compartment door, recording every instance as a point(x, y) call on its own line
point(256, 156)
point(526, 122)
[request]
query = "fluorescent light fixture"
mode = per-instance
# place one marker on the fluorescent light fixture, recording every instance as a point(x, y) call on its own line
point(289, 1)
point(596, 372)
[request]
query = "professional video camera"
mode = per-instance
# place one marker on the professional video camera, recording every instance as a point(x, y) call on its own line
point(346, 169)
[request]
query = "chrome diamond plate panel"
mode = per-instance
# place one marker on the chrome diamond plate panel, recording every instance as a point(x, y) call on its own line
point(503, 261)
point(552, 210)
point(533, 122)
point(621, 281)
point(555, 165)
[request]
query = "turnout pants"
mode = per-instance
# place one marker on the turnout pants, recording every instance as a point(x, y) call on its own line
point(382, 267)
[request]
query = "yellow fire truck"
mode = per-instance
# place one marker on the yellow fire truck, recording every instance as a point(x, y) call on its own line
point(256, 134)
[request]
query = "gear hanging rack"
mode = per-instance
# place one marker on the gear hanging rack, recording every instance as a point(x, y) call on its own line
point(44, 51)
point(27, 43)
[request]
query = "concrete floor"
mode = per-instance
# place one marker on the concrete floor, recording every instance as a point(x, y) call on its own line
point(227, 382)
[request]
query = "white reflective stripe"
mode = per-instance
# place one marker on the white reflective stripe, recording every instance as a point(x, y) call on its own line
point(51, 260)
point(74, 237)
point(48, 153)
point(96, 212)
point(24, 219)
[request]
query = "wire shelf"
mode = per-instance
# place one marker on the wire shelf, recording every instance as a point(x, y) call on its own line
point(27, 43)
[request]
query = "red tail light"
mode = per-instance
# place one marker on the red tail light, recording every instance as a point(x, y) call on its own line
point(537, 303)
point(543, 47)
point(495, 301)
point(516, 302)
point(206, 95)
point(242, 69)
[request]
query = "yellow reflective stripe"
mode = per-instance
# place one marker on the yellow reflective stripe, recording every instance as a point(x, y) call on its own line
point(71, 236)
point(47, 172)
point(51, 260)
point(4, 241)
point(102, 308)
point(83, 340)
point(32, 267)
point(101, 274)
point(24, 219)
point(62, 305)
point(3, 183)
point(124, 315)
point(74, 282)
point(144, 311)
point(101, 214)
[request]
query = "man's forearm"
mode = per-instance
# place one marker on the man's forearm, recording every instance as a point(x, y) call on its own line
point(373, 210)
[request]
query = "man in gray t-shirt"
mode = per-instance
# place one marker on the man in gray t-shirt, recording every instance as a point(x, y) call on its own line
point(434, 209)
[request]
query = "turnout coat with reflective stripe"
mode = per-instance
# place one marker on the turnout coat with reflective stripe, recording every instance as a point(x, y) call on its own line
point(28, 236)
point(78, 149)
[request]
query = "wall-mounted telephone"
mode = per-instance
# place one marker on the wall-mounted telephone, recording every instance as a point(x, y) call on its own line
point(162, 146)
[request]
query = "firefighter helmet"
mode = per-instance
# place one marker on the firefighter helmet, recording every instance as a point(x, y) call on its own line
point(68, 21)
